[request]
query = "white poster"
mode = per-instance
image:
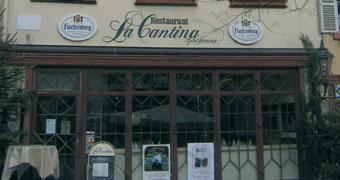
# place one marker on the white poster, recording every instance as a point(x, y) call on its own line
point(100, 170)
point(156, 162)
point(89, 142)
point(50, 126)
point(201, 161)
point(29, 22)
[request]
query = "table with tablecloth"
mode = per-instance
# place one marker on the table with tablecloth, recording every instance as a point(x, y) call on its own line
point(43, 158)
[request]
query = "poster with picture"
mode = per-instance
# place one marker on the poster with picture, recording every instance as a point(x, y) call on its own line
point(156, 162)
point(89, 141)
point(201, 161)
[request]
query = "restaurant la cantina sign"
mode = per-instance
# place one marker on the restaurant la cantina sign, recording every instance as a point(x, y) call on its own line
point(150, 27)
point(140, 28)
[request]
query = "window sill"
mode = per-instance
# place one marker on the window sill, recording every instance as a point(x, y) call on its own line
point(68, 1)
point(258, 3)
point(166, 2)
point(336, 36)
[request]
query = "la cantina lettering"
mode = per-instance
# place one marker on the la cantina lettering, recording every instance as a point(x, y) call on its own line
point(131, 27)
point(101, 150)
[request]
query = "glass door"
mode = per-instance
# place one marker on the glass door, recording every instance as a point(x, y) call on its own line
point(278, 97)
point(238, 125)
point(194, 114)
point(105, 114)
point(56, 117)
point(150, 116)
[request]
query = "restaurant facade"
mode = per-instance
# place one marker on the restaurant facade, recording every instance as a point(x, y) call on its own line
point(226, 74)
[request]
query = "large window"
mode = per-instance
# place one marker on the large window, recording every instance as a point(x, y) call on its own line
point(167, 2)
point(68, 1)
point(249, 115)
point(258, 3)
point(278, 105)
point(338, 6)
point(238, 126)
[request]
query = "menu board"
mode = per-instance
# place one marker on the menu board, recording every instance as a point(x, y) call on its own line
point(101, 162)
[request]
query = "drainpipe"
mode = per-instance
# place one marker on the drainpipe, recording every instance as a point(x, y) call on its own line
point(4, 21)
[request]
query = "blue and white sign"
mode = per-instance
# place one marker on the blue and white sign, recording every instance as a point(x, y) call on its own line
point(337, 91)
point(245, 31)
point(77, 27)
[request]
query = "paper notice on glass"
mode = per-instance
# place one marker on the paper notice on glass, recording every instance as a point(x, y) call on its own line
point(100, 170)
point(201, 161)
point(156, 162)
point(50, 126)
point(65, 127)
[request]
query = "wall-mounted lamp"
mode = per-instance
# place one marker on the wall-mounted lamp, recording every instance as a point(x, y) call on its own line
point(326, 60)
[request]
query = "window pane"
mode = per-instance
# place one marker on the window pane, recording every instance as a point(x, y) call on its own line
point(105, 119)
point(97, 82)
point(194, 82)
point(237, 82)
point(279, 137)
point(61, 112)
point(194, 119)
point(68, 1)
point(258, 3)
point(278, 119)
point(278, 81)
point(150, 120)
point(52, 81)
point(151, 81)
point(238, 120)
point(338, 2)
point(167, 2)
point(238, 137)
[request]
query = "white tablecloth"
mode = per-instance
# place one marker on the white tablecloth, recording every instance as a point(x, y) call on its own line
point(43, 158)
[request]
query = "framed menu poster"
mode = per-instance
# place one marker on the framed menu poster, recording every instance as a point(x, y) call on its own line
point(101, 162)
point(201, 161)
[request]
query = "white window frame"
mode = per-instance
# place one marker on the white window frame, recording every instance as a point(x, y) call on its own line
point(328, 13)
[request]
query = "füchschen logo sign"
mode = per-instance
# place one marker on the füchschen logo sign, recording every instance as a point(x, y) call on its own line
point(245, 31)
point(77, 27)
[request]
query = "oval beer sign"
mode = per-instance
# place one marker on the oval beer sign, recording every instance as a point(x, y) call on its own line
point(245, 31)
point(77, 27)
